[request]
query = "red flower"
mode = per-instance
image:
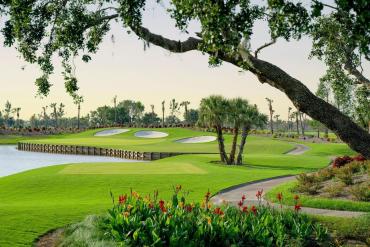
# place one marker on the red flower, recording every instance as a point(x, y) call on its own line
point(296, 197)
point(122, 199)
point(245, 209)
point(240, 203)
point(279, 196)
point(218, 211)
point(162, 207)
point(254, 209)
point(297, 207)
point(188, 208)
point(259, 194)
point(243, 198)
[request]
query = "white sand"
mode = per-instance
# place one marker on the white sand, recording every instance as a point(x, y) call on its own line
point(111, 132)
point(197, 139)
point(150, 134)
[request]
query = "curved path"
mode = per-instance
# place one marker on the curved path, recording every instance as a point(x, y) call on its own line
point(298, 150)
point(233, 194)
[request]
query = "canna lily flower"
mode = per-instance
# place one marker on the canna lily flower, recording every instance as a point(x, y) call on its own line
point(245, 209)
point(279, 196)
point(254, 209)
point(259, 194)
point(297, 207)
point(122, 199)
point(209, 220)
point(296, 197)
point(126, 214)
point(243, 198)
point(240, 203)
point(188, 208)
point(218, 211)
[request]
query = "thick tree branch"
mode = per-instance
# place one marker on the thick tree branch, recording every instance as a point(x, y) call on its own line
point(356, 73)
point(303, 99)
point(168, 44)
point(264, 46)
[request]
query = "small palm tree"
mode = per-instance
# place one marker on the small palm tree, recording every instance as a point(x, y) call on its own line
point(251, 117)
point(213, 113)
point(163, 109)
point(236, 116)
point(185, 105)
point(78, 100)
point(16, 111)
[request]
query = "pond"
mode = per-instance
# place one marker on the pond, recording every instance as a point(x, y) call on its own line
point(13, 161)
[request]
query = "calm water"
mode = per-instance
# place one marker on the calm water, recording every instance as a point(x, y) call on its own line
point(13, 161)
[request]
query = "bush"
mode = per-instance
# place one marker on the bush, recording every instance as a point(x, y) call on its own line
point(325, 174)
point(334, 189)
point(308, 183)
point(345, 174)
point(361, 192)
point(137, 221)
point(341, 161)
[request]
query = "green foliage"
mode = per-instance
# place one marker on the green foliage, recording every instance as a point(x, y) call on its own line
point(138, 221)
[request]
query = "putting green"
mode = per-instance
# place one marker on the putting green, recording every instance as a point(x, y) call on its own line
point(33, 202)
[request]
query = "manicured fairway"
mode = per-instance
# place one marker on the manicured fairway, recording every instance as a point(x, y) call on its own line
point(36, 201)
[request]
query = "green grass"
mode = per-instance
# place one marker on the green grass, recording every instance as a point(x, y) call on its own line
point(315, 201)
point(36, 201)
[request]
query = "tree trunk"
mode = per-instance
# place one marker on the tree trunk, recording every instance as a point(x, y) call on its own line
point(302, 125)
point(78, 117)
point(297, 123)
point(318, 133)
point(304, 100)
point(221, 145)
point(233, 146)
point(271, 123)
point(245, 131)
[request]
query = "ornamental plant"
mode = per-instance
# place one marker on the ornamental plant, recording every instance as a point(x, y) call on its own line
point(152, 221)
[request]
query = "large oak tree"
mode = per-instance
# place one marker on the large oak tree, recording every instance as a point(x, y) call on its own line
point(69, 28)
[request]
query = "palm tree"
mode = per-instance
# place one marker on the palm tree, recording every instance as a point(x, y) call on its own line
point(277, 121)
point(296, 113)
point(289, 109)
point(269, 101)
point(185, 105)
point(16, 111)
point(163, 108)
point(54, 113)
point(7, 112)
point(45, 115)
point(302, 121)
point(152, 107)
point(251, 117)
point(213, 113)
point(115, 108)
point(236, 116)
point(77, 101)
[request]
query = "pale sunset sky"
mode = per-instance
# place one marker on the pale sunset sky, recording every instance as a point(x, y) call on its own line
point(125, 69)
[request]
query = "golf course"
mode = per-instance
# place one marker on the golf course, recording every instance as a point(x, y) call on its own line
point(36, 201)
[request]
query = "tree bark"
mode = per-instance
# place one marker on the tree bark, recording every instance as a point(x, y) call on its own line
point(78, 116)
point(221, 145)
point(233, 146)
point(245, 131)
point(302, 98)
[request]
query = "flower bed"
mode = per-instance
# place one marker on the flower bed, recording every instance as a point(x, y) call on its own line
point(150, 221)
point(343, 186)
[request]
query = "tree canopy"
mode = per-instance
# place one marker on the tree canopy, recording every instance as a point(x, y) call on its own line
point(41, 29)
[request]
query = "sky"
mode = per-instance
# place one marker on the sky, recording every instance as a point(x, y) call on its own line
point(125, 69)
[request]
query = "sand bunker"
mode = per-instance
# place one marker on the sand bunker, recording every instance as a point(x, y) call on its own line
point(197, 139)
point(150, 134)
point(111, 132)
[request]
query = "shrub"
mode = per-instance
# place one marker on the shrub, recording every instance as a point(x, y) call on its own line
point(334, 189)
point(341, 161)
point(361, 192)
point(137, 221)
point(308, 183)
point(345, 174)
point(325, 174)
